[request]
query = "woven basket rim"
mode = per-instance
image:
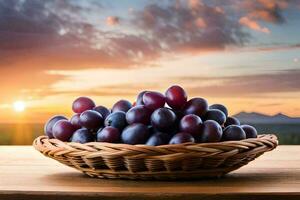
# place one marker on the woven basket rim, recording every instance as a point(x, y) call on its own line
point(265, 138)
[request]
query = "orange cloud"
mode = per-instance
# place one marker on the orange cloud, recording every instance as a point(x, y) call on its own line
point(265, 10)
point(200, 22)
point(253, 25)
point(194, 4)
point(272, 4)
point(112, 20)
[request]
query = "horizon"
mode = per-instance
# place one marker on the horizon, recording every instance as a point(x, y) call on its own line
point(243, 54)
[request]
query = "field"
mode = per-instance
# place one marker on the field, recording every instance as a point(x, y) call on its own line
point(24, 134)
point(287, 133)
point(19, 134)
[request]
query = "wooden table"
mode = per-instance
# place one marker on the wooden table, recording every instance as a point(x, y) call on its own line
point(27, 174)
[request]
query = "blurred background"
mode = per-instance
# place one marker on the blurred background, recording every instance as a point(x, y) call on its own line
point(244, 54)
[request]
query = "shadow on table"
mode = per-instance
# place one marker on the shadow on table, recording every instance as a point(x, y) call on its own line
point(251, 178)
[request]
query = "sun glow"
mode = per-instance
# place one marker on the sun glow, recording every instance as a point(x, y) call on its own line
point(19, 106)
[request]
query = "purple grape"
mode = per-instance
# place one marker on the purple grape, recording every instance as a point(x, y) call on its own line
point(82, 136)
point(108, 134)
point(191, 124)
point(82, 104)
point(138, 114)
point(179, 114)
point(176, 97)
point(181, 138)
point(122, 105)
point(117, 120)
point(49, 125)
point(91, 119)
point(211, 132)
point(215, 115)
point(219, 107)
point(135, 134)
point(163, 119)
point(158, 138)
point(75, 120)
point(63, 130)
point(233, 132)
point(197, 106)
point(102, 110)
point(232, 121)
point(139, 100)
point(154, 100)
point(250, 131)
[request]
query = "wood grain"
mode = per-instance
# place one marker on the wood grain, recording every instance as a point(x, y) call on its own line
point(26, 174)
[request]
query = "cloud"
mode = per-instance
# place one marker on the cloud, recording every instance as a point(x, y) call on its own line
point(277, 47)
point(38, 36)
point(266, 10)
point(112, 20)
point(43, 35)
point(194, 4)
point(270, 104)
point(34, 31)
point(200, 23)
point(189, 28)
point(253, 25)
point(56, 34)
point(245, 85)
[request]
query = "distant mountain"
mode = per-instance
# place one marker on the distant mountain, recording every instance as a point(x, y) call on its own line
point(258, 118)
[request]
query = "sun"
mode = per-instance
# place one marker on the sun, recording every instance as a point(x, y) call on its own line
point(19, 106)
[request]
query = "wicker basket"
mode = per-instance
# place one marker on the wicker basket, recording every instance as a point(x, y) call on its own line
point(180, 161)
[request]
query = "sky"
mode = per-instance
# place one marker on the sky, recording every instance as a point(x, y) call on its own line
point(244, 54)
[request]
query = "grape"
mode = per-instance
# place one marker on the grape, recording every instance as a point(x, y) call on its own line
point(122, 105)
point(179, 114)
point(108, 134)
point(102, 110)
point(233, 132)
point(75, 120)
point(135, 134)
point(82, 136)
point(154, 100)
point(191, 124)
point(139, 100)
point(63, 130)
point(176, 97)
point(151, 129)
point(211, 132)
point(91, 119)
point(158, 138)
point(215, 115)
point(49, 125)
point(138, 114)
point(220, 107)
point(82, 104)
point(163, 119)
point(181, 138)
point(232, 121)
point(117, 120)
point(197, 106)
point(250, 131)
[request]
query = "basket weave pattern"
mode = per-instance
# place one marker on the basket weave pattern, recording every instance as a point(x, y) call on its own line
point(180, 161)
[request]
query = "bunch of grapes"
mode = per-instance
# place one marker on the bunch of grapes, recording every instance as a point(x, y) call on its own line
point(154, 119)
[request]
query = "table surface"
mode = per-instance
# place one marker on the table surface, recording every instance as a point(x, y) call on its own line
point(27, 174)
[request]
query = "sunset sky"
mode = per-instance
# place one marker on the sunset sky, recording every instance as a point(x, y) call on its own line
point(244, 54)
